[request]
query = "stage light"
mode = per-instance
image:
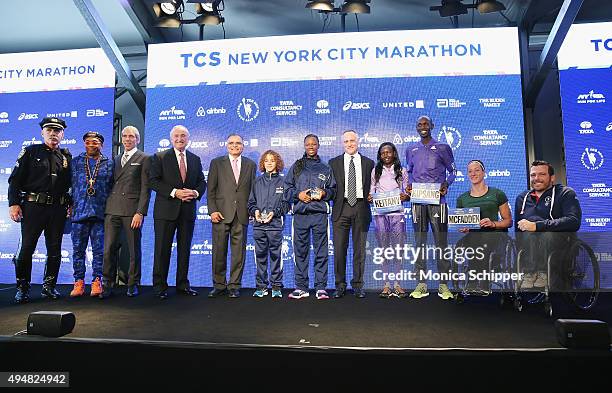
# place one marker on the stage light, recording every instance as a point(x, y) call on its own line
point(170, 22)
point(211, 6)
point(209, 19)
point(450, 8)
point(167, 8)
point(356, 7)
point(321, 5)
point(209, 13)
point(488, 6)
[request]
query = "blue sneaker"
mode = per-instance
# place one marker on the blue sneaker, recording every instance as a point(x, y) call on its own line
point(276, 293)
point(260, 292)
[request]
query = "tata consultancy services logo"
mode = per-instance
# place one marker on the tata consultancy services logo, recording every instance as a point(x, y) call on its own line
point(355, 106)
point(4, 117)
point(451, 136)
point(592, 158)
point(586, 128)
point(248, 109)
point(591, 98)
point(322, 108)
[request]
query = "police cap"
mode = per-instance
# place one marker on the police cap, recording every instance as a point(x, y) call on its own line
point(53, 122)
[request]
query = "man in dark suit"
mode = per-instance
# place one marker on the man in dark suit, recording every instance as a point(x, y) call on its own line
point(229, 185)
point(125, 209)
point(351, 211)
point(177, 179)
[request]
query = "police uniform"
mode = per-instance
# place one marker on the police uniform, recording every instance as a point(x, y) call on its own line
point(39, 184)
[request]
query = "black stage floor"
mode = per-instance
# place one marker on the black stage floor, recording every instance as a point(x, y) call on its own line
point(305, 336)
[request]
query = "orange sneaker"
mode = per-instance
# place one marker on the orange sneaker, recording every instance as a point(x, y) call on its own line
point(79, 289)
point(96, 287)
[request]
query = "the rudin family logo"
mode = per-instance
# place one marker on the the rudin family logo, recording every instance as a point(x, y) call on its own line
point(27, 116)
point(592, 158)
point(418, 104)
point(172, 114)
point(327, 140)
point(202, 112)
point(322, 108)
point(286, 108)
point(248, 109)
point(399, 140)
point(96, 113)
point(591, 98)
point(490, 138)
point(597, 221)
point(492, 102)
point(449, 103)
point(72, 114)
point(4, 117)
point(350, 105)
point(451, 136)
point(586, 128)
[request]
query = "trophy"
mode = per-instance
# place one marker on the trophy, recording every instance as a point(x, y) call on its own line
point(317, 192)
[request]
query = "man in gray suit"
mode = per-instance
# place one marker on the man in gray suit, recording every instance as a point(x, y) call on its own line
point(125, 209)
point(229, 185)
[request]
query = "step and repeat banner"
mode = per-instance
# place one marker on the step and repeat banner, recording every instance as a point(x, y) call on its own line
point(76, 85)
point(275, 90)
point(585, 74)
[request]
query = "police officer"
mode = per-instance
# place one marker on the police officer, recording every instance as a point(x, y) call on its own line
point(38, 198)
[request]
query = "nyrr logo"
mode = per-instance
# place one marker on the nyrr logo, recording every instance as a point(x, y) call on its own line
point(451, 136)
point(586, 128)
point(31, 142)
point(28, 116)
point(591, 98)
point(172, 114)
point(592, 158)
point(248, 110)
point(355, 106)
point(322, 108)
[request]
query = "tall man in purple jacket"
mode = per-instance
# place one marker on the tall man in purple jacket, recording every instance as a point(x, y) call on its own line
point(428, 161)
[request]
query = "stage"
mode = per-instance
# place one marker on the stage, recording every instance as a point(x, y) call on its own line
point(194, 335)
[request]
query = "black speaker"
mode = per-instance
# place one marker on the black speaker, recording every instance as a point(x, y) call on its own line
point(51, 323)
point(583, 334)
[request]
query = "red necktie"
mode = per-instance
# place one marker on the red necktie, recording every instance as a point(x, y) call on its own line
point(182, 167)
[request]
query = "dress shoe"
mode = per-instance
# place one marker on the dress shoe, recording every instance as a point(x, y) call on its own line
point(360, 293)
point(216, 292)
point(340, 292)
point(48, 288)
point(187, 292)
point(234, 293)
point(132, 290)
point(163, 295)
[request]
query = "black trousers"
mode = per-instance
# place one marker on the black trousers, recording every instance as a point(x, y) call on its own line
point(112, 229)
point(39, 218)
point(422, 217)
point(236, 233)
point(164, 234)
point(352, 219)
